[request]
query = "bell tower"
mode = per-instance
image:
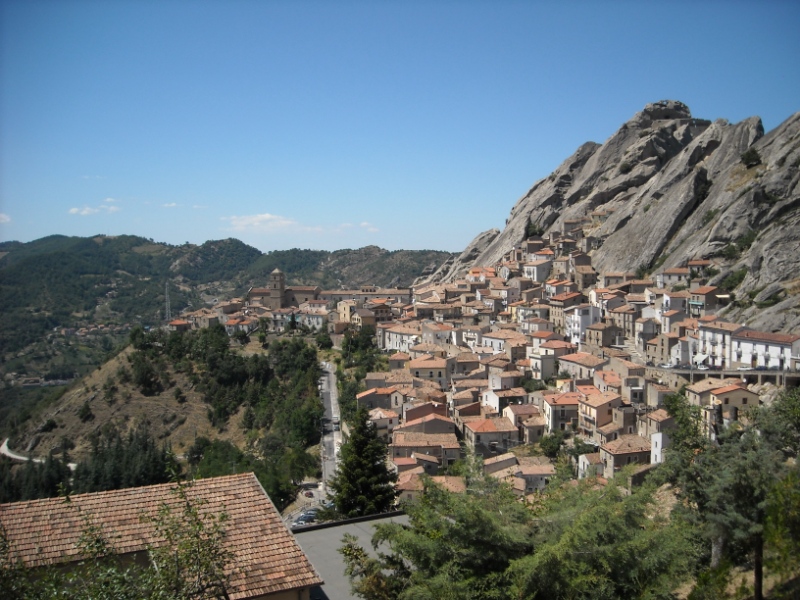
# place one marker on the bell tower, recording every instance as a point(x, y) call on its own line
point(277, 287)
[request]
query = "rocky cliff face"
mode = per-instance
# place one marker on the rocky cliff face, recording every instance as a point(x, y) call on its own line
point(667, 187)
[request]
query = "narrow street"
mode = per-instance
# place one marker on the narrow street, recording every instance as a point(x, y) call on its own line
point(331, 433)
point(331, 438)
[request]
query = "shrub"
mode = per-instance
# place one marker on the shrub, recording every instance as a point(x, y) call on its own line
point(746, 240)
point(709, 216)
point(730, 252)
point(733, 280)
point(49, 425)
point(625, 167)
point(85, 412)
point(751, 158)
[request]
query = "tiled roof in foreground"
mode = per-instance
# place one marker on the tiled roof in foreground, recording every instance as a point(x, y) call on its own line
point(267, 559)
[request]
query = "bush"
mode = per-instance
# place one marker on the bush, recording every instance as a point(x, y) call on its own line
point(85, 412)
point(49, 425)
point(751, 158)
point(550, 445)
point(324, 341)
point(625, 167)
point(709, 216)
point(733, 280)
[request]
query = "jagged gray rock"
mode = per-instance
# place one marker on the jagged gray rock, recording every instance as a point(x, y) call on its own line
point(457, 264)
point(673, 188)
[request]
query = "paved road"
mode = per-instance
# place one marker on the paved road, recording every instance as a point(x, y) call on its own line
point(331, 434)
point(5, 451)
point(331, 439)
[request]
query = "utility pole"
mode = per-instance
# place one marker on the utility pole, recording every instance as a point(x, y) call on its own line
point(168, 312)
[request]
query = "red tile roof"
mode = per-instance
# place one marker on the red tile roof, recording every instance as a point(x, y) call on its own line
point(267, 558)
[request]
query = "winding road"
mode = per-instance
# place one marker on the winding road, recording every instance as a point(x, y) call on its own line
point(5, 451)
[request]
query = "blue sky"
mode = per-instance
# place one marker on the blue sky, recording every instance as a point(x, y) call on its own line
point(333, 125)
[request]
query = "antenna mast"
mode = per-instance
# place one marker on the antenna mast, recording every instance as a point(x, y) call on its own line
point(166, 296)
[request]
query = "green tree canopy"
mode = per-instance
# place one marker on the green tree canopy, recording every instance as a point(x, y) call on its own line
point(363, 484)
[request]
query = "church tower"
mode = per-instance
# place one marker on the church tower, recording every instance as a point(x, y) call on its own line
point(277, 287)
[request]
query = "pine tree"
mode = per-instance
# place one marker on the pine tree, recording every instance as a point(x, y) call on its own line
point(363, 484)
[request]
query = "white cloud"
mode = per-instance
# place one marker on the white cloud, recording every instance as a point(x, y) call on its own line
point(368, 226)
point(170, 205)
point(86, 210)
point(198, 206)
point(111, 200)
point(89, 210)
point(4, 218)
point(263, 222)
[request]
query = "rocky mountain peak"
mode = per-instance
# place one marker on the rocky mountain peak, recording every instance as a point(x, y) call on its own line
point(667, 187)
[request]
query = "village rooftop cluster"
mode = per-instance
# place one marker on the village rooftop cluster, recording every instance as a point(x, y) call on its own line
point(605, 349)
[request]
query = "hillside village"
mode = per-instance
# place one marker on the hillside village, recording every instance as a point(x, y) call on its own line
point(536, 344)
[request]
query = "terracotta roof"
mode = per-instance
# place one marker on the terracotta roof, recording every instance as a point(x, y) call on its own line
point(609, 428)
point(587, 389)
point(457, 485)
point(428, 418)
point(382, 413)
point(626, 444)
point(412, 438)
point(523, 409)
point(659, 415)
point(706, 289)
point(731, 388)
point(556, 344)
point(535, 421)
point(565, 399)
point(711, 383)
point(267, 557)
point(491, 425)
point(597, 400)
point(764, 336)
point(609, 377)
point(418, 456)
point(584, 359)
point(722, 326)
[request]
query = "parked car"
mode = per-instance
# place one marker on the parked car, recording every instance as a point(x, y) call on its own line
point(299, 522)
point(744, 368)
point(308, 494)
point(702, 368)
point(665, 366)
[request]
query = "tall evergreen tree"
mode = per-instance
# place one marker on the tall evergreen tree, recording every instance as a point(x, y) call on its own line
point(363, 484)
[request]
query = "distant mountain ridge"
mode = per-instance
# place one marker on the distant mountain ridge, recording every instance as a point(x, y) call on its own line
point(667, 188)
point(67, 281)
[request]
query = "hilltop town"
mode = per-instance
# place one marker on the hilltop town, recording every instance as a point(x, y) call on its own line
point(535, 344)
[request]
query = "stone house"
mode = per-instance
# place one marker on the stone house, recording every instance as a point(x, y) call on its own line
point(492, 433)
point(590, 465)
point(596, 410)
point(384, 421)
point(704, 301)
point(604, 334)
point(626, 450)
point(443, 446)
point(580, 365)
point(560, 410)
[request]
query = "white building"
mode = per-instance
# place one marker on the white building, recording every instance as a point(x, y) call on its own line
point(714, 343)
point(762, 349)
point(577, 319)
point(401, 338)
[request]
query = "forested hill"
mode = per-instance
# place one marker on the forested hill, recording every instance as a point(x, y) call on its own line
point(61, 281)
